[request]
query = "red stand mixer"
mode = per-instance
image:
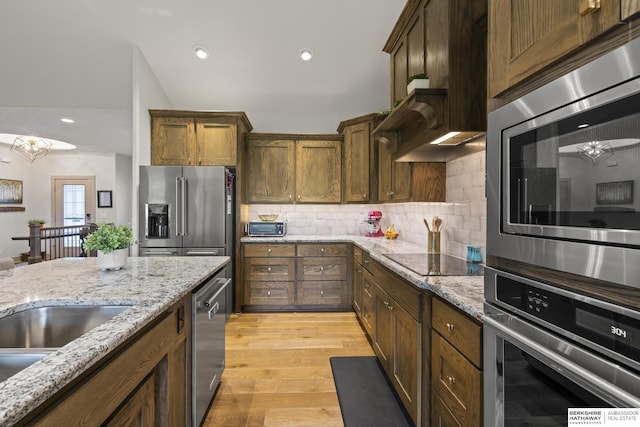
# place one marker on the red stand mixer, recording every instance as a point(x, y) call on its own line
point(373, 219)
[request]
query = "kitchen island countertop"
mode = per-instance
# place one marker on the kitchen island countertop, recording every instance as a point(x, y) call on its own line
point(150, 285)
point(464, 292)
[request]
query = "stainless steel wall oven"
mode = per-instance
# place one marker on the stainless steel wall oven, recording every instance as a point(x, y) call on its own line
point(563, 164)
point(547, 349)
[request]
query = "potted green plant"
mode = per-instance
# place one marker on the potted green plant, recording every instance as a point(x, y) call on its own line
point(112, 243)
point(417, 81)
point(36, 221)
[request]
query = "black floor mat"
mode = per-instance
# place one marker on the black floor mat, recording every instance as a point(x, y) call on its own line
point(365, 395)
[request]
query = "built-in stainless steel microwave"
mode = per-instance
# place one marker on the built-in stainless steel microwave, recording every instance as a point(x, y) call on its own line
point(266, 228)
point(563, 171)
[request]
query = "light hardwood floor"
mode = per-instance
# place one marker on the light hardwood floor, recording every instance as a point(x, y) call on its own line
point(277, 370)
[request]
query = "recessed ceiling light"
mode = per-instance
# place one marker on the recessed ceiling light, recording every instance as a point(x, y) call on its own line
point(201, 52)
point(306, 54)
point(67, 120)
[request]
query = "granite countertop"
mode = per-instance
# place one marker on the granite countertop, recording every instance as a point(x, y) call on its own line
point(149, 284)
point(464, 292)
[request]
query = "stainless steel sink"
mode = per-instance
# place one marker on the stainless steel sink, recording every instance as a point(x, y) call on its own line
point(53, 326)
point(30, 335)
point(13, 361)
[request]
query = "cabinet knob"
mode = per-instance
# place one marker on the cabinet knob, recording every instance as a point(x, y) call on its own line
point(298, 197)
point(364, 196)
point(200, 161)
point(269, 250)
point(321, 292)
point(390, 307)
point(268, 268)
point(452, 380)
point(290, 196)
point(386, 303)
point(321, 268)
point(322, 250)
point(269, 293)
point(359, 270)
point(589, 6)
point(450, 326)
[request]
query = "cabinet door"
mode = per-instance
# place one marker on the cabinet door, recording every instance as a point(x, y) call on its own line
point(172, 141)
point(318, 172)
point(271, 171)
point(368, 303)
point(357, 288)
point(526, 36)
point(216, 143)
point(385, 173)
point(406, 365)
point(383, 340)
point(401, 181)
point(394, 178)
point(357, 139)
point(138, 409)
point(399, 72)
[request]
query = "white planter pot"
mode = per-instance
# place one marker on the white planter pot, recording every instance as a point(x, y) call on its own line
point(417, 84)
point(114, 260)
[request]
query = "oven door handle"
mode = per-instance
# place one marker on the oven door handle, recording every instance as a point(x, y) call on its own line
point(566, 367)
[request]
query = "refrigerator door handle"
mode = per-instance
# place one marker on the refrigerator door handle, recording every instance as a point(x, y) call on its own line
point(183, 206)
point(146, 221)
point(177, 207)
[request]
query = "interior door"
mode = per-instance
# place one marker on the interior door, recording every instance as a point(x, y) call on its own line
point(73, 204)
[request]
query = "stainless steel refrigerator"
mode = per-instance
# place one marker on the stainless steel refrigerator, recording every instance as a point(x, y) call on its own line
point(186, 211)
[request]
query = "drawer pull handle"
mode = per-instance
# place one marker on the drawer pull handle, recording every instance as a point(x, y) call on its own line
point(269, 293)
point(589, 6)
point(450, 326)
point(359, 271)
point(452, 380)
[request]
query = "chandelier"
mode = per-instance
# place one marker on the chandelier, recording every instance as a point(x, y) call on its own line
point(595, 151)
point(31, 147)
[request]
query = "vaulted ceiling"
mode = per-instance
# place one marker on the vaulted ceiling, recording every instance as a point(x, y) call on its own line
point(73, 58)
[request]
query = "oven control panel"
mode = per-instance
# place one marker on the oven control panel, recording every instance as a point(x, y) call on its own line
point(614, 328)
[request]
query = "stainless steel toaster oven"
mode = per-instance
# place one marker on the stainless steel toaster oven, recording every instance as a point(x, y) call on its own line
point(266, 228)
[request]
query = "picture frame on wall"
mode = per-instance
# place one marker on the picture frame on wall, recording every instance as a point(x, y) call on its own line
point(614, 193)
point(10, 192)
point(105, 199)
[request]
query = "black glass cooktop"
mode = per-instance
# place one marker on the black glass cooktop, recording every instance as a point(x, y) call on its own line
point(429, 264)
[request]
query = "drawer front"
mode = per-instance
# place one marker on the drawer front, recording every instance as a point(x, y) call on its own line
point(269, 293)
point(357, 255)
point(456, 381)
point(269, 269)
point(440, 414)
point(459, 329)
point(269, 250)
point(368, 287)
point(405, 294)
point(323, 293)
point(367, 262)
point(368, 318)
point(322, 268)
point(320, 250)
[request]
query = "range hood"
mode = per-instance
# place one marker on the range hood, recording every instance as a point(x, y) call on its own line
point(427, 126)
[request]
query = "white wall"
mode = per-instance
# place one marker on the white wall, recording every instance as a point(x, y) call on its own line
point(147, 95)
point(36, 182)
point(463, 214)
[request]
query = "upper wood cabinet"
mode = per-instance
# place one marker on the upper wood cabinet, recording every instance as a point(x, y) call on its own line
point(285, 168)
point(359, 181)
point(527, 36)
point(394, 178)
point(446, 39)
point(187, 138)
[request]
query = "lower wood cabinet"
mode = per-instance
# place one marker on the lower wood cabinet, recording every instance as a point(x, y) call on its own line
point(281, 277)
point(456, 361)
point(145, 382)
